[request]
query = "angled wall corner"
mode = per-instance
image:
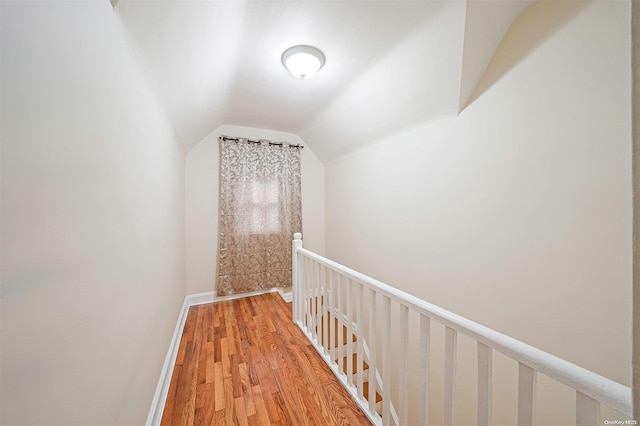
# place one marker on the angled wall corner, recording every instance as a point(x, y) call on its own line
point(499, 35)
point(486, 23)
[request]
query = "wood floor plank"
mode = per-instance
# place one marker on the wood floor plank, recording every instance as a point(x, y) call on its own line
point(280, 408)
point(218, 386)
point(209, 402)
point(219, 418)
point(244, 362)
point(229, 402)
point(210, 364)
point(261, 417)
point(241, 414)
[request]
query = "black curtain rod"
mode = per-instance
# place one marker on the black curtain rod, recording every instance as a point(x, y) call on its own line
point(227, 138)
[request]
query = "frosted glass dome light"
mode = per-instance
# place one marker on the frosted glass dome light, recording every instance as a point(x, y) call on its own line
point(303, 61)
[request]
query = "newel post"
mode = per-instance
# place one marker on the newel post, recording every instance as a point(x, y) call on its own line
point(295, 281)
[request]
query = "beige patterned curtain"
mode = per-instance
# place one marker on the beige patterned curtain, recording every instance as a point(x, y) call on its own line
point(260, 209)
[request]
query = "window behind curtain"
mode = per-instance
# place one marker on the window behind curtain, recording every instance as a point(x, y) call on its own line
point(260, 209)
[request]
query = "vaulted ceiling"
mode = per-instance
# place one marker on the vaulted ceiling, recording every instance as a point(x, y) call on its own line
point(390, 64)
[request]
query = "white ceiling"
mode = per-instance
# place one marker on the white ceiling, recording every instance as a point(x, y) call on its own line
point(390, 64)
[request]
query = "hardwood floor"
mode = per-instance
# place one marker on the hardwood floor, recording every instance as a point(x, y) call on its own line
point(244, 362)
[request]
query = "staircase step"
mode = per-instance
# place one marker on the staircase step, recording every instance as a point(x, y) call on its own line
point(354, 364)
point(346, 331)
point(365, 392)
point(319, 329)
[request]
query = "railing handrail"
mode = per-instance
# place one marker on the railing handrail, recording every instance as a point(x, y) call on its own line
point(600, 388)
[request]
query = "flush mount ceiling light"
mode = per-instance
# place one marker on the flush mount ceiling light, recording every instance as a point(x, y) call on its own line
point(303, 61)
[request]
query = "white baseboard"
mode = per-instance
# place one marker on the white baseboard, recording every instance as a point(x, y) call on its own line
point(243, 295)
point(162, 389)
point(287, 296)
point(199, 299)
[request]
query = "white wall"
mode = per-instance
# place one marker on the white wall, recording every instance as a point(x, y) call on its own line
point(92, 220)
point(202, 189)
point(517, 212)
point(635, 42)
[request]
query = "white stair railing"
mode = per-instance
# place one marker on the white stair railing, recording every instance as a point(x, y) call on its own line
point(330, 298)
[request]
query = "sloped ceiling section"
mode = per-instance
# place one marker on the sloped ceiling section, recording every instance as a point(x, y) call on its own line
point(389, 64)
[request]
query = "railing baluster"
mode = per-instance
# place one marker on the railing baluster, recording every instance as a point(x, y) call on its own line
point(404, 354)
point(311, 266)
point(314, 301)
point(587, 410)
point(305, 304)
point(319, 292)
point(373, 388)
point(423, 395)
point(309, 296)
point(300, 298)
point(331, 317)
point(303, 271)
point(295, 274)
point(386, 362)
point(526, 394)
point(325, 313)
point(484, 384)
point(360, 337)
point(450, 355)
point(340, 325)
point(295, 285)
point(318, 304)
point(349, 356)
